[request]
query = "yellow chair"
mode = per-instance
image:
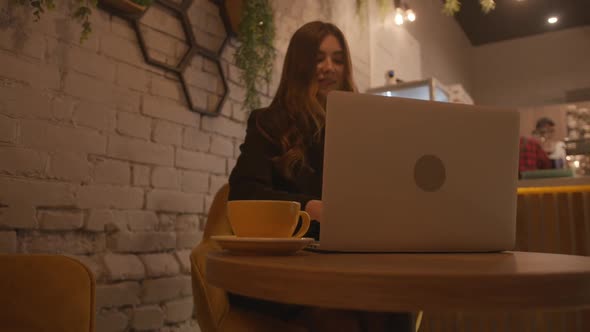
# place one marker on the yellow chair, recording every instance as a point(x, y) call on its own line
point(213, 310)
point(45, 293)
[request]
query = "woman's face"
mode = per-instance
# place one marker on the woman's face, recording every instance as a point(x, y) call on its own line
point(329, 66)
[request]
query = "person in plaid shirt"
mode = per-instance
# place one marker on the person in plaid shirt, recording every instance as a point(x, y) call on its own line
point(532, 156)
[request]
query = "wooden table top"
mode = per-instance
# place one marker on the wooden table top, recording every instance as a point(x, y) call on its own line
point(409, 282)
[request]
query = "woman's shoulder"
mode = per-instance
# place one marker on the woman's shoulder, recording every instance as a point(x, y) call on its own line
point(263, 118)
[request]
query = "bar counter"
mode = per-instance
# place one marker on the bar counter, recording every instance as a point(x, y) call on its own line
point(553, 216)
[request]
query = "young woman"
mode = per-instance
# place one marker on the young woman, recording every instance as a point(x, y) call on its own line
point(282, 155)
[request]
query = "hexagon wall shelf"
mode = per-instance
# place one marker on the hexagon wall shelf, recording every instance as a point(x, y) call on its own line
point(205, 89)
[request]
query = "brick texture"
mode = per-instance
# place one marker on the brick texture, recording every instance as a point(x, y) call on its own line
point(160, 265)
point(97, 219)
point(7, 129)
point(112, 172)
point(168, 110)
point(166, 177)
point(188, 240)
point(39, 193)
point(111, 321)
point(119, 294)
point(140, 151)
point(65, 243)
point(142, 242)
point(15, 160)
point(41, 135)
point(38, 75)
point(95, 116)
point(104, 196)
point(141, 175)
point(139, 220)
point(178, 310)
point(222, 146)
point(167, 133)
point(184, 260)
point(124, 267)
point(194, 182)
point(165, 289)
point(73, 167)
point(173, 201)
point(134, 125)
point(147, 318)
point(60, 219)
point(194, 139)
point(199, 161)
point(8, 243)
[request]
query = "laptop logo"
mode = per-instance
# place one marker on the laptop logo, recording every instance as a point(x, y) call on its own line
point(429, 173)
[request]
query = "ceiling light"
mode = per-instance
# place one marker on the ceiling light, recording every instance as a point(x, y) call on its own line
point(410, 15)
point(552, 20)
point(399, 17)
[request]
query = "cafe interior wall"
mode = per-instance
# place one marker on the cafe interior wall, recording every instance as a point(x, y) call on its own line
point(101, 158)
point(531, 71)
point(432, 46)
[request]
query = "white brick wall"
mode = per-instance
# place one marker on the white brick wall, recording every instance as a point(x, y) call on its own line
point(15, 160)
point(105, 196)
point(44, 136)
point(71, 167)
point(111, 321)
point(167, 133)
point(147, 318)
point(95, 116)
point(165, 289)
point(7, 129)
point(8, 243)
point(166, 177)
point(134, 125)
point(140, 151)
point(160, 265)
point(55, 220)
point(119, 294)
point(124, 267)
point(108, 171)
point(174, 201)
point(101, 159)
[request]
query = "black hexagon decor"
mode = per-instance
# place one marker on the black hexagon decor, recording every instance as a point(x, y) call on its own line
point(197, 65)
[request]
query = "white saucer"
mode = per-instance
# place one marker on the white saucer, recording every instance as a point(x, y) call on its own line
point(262, 245)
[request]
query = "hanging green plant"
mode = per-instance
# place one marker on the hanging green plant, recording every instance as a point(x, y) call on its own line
point(82, 11)
point(255, 54)
point(362, 7)
point(451, 7)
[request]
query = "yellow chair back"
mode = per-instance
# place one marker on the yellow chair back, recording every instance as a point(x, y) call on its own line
point(46, 293)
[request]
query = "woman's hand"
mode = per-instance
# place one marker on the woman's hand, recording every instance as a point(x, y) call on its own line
point(314, 209)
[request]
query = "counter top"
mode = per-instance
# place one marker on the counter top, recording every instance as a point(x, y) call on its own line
point(558, 184)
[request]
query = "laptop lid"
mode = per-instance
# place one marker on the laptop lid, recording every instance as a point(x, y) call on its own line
point(410, 175)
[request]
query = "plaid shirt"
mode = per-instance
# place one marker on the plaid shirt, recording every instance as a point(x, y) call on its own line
point(532, 156)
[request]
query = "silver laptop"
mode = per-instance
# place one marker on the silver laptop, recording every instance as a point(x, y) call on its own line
point(404, 175)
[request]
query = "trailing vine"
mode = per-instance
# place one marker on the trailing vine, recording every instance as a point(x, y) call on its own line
point(82, 11)
point(451, 7)
point(82, 15)
point(255, 54)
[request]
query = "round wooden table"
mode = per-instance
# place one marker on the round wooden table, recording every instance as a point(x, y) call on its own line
point(409, 282)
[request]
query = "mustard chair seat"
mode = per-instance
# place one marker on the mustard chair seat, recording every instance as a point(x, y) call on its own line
point(213, 310)
point(45, 293)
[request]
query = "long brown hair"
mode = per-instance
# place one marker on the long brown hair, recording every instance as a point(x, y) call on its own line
point(295, 119)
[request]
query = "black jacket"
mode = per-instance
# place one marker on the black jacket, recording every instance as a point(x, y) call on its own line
point(255, 176)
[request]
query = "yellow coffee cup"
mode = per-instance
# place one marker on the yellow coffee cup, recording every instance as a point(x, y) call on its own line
point(265, 218)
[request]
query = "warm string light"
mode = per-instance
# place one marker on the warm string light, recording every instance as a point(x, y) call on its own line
point(402, 13)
